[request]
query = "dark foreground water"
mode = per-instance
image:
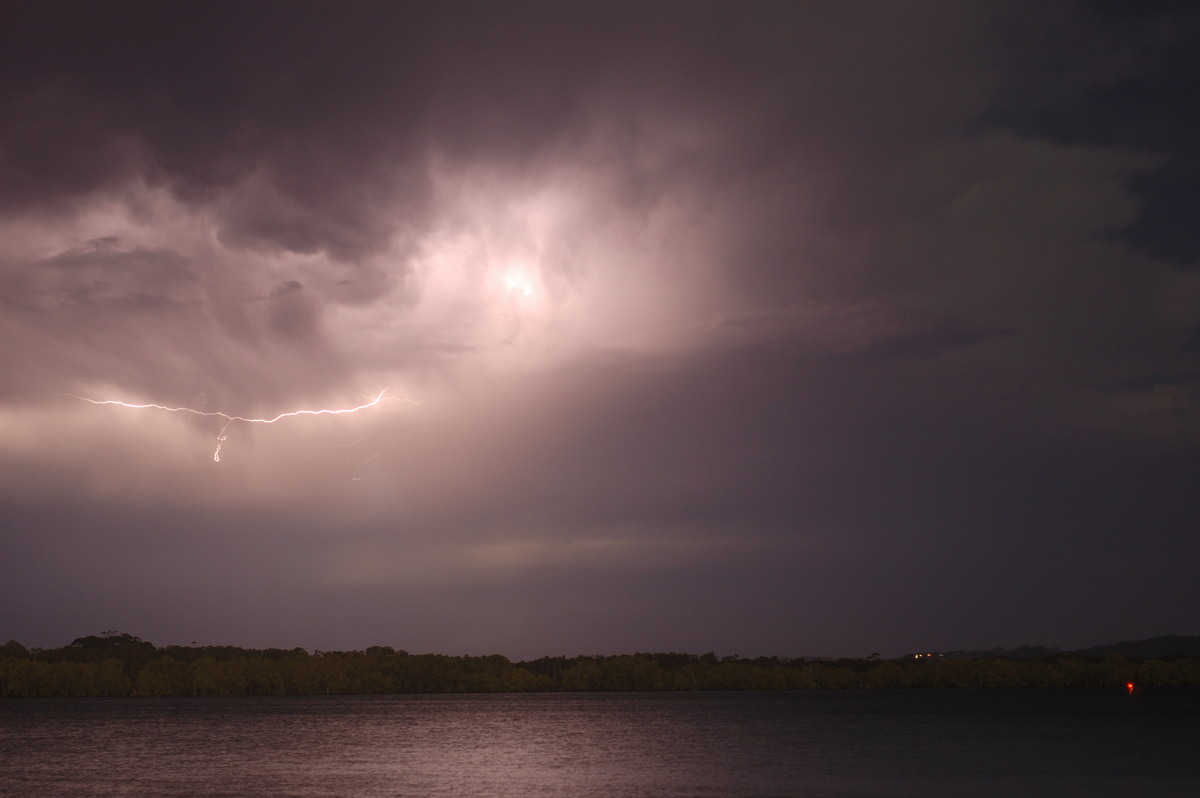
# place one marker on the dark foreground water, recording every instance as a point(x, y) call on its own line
point(877, 743)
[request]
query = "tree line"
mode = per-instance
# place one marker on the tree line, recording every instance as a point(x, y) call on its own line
point(124, 665)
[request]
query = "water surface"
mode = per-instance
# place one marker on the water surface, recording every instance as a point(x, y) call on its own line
point(854, 743)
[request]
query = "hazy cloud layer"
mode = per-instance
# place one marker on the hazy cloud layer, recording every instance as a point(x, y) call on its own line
point(789, 328)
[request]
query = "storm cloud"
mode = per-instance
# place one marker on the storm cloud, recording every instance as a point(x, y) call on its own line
point(768, 328)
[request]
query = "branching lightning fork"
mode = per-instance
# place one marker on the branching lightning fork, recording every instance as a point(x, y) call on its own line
point(229, 419)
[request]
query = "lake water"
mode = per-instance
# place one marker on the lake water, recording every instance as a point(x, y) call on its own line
point(869, 743)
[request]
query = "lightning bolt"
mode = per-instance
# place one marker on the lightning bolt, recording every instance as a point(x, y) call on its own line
point(229, 419)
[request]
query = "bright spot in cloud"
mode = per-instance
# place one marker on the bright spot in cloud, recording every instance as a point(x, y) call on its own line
point(519, 284)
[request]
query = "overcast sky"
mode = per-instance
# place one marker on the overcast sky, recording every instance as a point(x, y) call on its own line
point(798, 328)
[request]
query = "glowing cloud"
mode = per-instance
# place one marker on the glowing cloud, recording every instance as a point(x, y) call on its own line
point(518, 283)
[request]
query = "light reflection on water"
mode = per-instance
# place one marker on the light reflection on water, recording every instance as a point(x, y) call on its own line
point(877, 743)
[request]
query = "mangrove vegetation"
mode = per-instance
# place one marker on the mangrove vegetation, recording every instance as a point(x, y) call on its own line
point(124, 665)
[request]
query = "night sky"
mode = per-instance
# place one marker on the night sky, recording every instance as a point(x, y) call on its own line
point(797, 328)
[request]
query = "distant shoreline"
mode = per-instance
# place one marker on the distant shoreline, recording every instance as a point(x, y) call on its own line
point(124, 665)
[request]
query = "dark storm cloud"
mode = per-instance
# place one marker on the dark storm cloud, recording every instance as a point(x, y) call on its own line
point(790, 328)
point(202, 97)
point(99, 270)
point(1120, 74)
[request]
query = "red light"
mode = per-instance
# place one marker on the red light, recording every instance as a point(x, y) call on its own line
point(1129, 686)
